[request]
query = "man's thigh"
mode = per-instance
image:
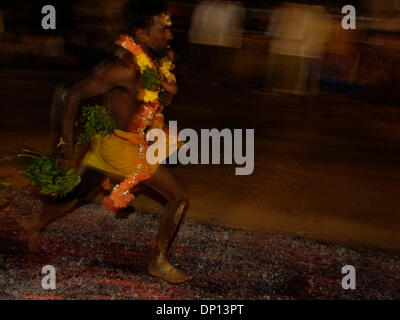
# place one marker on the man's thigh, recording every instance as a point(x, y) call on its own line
point(90, 180)
point(166, 184)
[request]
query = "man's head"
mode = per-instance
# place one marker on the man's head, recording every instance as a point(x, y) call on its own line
point(149, 24)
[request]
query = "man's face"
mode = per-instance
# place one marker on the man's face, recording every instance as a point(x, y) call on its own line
point(158, 35)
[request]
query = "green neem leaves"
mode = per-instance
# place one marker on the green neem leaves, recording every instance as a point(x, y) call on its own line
point(98, 120)
point(43, 173)
point(150, 79)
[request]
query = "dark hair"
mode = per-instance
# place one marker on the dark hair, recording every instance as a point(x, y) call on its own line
point(139, 13)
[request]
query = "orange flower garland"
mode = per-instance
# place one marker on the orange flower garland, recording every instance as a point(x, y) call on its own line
point(121, 196)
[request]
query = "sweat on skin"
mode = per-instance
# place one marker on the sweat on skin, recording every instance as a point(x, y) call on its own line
point(189, 153)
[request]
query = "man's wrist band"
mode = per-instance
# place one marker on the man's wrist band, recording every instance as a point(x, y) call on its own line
point(63, 142)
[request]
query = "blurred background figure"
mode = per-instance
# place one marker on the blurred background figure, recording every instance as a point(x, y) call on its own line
point(216, 32)
point(380, 49)
point(299, 32)
point(217, 23)
point(295, 47)
point(385, 15)
point(342, 59)
point(283, 62)
point(316, 29)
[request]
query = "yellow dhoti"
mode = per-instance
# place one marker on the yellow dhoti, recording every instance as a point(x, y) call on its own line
point(120, 153)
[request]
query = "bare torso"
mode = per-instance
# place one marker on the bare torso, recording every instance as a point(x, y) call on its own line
point(119, 81)
point(122, 100)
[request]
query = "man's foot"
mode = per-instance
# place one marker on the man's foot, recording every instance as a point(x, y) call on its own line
point(161, 268)
point(35, 225)
point(32, 227)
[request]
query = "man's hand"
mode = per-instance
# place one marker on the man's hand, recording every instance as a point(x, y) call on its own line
point(165, 98)
point(66, 158)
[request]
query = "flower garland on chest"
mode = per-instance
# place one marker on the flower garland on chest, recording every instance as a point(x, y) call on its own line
point(149, 95)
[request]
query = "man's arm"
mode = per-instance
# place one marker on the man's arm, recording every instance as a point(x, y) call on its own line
point(104, 78)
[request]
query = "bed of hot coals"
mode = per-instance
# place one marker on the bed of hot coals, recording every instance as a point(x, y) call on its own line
point(99, 256)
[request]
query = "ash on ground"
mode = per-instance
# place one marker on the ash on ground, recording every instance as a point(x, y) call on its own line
point(97, 256)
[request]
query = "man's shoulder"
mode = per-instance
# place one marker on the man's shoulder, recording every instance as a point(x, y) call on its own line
point(124, 59)
point(121, 65)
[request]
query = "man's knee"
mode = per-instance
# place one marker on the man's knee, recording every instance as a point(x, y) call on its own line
point(90, 184)
point(179, 198)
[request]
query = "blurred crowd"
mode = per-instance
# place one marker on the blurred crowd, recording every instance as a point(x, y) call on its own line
point(296, 47)
point(299, 47)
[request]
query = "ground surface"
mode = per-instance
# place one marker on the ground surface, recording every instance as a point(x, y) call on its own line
point(97, 256)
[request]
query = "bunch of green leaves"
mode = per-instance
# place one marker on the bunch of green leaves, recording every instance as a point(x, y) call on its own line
point(97, 120)
point(43, 172)
point(150, 79)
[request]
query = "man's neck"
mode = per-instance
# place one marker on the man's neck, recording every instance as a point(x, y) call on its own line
point(147, 51)
point(150, 53)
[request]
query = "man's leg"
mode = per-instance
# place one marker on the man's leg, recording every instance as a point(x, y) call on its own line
point(89, 188)
point(176, 195)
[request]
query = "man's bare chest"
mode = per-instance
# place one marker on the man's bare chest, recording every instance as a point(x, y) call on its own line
point(123, 103)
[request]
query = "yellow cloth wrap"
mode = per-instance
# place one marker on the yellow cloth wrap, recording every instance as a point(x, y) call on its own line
point(119, 153)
